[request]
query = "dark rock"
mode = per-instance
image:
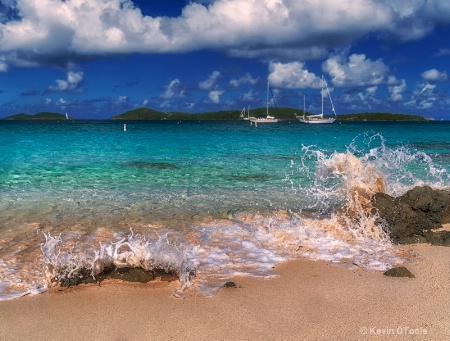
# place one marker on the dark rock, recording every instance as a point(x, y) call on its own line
point(420, 210)
point(83, 277)
point(399, 272)
point(441, 238)
point(230, 285)
point(125, 274)
point(413, 240)
point(132, 275)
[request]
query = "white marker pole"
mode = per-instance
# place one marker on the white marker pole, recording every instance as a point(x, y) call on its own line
point(124, 127)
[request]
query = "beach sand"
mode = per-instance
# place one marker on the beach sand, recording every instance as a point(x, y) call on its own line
point(310, 300)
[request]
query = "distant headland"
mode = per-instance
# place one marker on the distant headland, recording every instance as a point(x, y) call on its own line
point(280, 113)
point(40, 116)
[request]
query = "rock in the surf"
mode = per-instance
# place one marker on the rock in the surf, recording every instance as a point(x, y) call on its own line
point(415, 214)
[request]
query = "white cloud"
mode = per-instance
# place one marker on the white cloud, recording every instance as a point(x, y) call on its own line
point(427, 87)
point(357, 71)
point(365, 99)
point(396, 89)
point(292, 76)
point(165, 105)
point(246, 79)
point(249, 96)
point(210, 82)
point(173, 89)
point(214, 95)
point(122, 99)
point(434, 75)
point(72, 83)
point(3, 64)
point(48, 31)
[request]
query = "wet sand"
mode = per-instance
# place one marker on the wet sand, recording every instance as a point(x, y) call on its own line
point(310, 300)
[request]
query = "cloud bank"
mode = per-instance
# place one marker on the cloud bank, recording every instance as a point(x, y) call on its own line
point(54, 32)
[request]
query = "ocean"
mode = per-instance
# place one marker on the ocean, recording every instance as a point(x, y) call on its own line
point(205, 200)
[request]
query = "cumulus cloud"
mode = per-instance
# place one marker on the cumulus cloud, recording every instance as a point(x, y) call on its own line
point(54, 31)
point(210, 82)
point(71, 83)
point(427, 87)
point(356, 71)
point(173, 89)
point(396, 89)
point(246, 79)
point(214, 96)
point(292, 76)
point(434, 75)
point(249, 96)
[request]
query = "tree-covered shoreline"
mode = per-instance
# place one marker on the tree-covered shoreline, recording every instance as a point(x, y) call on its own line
point(281, 113)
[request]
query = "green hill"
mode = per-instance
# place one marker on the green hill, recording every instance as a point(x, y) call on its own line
point(282, 113)
point(141, 114)
point(380, 117)
point(39, 116)
point(149, 114)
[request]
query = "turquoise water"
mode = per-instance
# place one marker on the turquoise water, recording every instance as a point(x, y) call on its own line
point(75, 178)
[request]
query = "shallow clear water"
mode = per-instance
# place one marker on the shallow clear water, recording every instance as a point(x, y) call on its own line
point(213, 187)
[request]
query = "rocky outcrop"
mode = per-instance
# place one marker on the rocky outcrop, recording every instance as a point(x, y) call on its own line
point(401, 271)
point(416, 215)
point(125, 274)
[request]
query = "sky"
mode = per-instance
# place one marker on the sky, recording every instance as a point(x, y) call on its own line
point(95, 59)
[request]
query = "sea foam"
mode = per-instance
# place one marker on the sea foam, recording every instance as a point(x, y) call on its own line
point(336, 224)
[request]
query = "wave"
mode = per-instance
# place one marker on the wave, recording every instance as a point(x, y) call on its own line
point(336, 224)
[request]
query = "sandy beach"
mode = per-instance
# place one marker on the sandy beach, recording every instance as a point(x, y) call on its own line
point(310, 300)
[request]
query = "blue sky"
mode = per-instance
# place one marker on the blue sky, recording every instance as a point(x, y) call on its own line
point(99, 58)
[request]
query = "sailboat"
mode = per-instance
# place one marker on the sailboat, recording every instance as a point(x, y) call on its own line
point(268, 118)
point(318, 119)
point(242, 116)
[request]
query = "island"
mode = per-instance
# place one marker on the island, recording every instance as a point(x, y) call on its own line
point(149, 114)
point(380, 117)
point(282, 113)
point(40, 116)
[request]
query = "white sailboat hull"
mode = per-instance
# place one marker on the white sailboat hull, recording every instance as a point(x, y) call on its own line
point(316, 120)
point(264, 120)
point(268, 118)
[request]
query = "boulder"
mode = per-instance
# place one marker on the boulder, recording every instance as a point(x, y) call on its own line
point(401, 271)
point(415, 214)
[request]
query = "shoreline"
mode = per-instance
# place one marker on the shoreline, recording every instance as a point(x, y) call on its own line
point(309, 300)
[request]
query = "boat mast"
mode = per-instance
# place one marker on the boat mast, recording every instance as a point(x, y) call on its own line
point(267, 110)
point(304, 108)
point(321, 93)
point(331, 101)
